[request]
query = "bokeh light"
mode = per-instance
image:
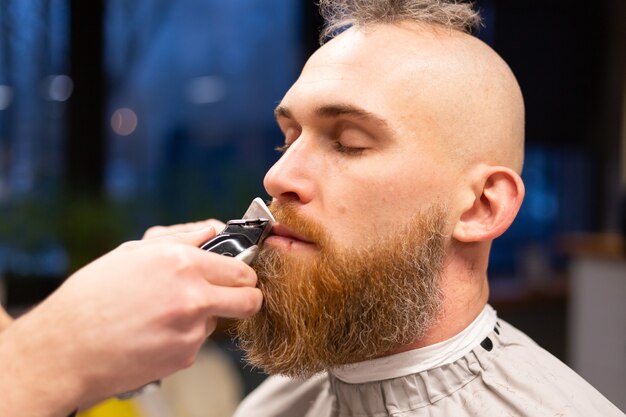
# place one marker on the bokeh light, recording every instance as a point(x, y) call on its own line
point(124, 121)
point(6, 96)
point(58, 87)
point(205, 90)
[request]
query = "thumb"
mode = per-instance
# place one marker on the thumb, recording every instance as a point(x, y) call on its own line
point(197, 237)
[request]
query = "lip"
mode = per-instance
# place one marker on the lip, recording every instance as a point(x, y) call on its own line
point(282, 236)
point(283, 231)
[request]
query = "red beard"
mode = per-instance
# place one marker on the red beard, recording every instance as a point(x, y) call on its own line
point(344, 305)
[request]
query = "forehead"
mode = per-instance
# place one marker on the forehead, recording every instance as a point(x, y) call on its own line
point(344, 62)
point(386, 69)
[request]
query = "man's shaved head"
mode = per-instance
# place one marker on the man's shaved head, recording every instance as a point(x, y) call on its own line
point(447, 82)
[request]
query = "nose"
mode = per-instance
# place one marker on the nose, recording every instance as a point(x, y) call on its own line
point(290, 178)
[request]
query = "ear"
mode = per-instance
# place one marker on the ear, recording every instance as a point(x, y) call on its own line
point(497, 197)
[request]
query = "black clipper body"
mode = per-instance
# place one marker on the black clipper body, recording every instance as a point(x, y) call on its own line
point(242, 238)
point(238, 236)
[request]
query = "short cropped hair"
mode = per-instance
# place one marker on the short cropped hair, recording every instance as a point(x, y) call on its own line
point(341, 14)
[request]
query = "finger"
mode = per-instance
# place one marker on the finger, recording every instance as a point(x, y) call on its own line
point(223, 270)
point(160, 231)
point(196, 237)
point(235, 303)
point(189, 227)
point(217, 224)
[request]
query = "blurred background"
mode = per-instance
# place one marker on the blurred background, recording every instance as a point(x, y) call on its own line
point(116, 115)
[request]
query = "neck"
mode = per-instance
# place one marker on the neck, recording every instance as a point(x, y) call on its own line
point(465, 294)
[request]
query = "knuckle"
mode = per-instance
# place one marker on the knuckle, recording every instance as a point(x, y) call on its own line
point(154, 231)
point(188, 360)
point(184, 307)
point(186, 345)
point(211, 326)
point(194, 340)
point(196, 336)
point(210, 303)
point(179, 258)
point(244, 274)
point(176, 312)
point(218, 225)
point(192, 303)
point(129, 245)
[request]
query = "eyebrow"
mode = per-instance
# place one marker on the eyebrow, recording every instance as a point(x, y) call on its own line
point(337, 110)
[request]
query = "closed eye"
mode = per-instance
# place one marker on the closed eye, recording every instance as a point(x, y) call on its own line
point(349, 150)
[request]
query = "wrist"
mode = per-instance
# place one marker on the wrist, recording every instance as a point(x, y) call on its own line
point(37, 375)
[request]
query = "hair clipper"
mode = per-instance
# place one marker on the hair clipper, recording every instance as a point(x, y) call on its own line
point(242, 238)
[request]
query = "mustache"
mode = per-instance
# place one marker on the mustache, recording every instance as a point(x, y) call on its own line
point(288, 215)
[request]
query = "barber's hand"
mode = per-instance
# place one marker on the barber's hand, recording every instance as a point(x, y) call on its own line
point(136, 315)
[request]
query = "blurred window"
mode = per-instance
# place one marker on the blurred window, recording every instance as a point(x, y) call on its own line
point(193, 86)
point(34, 89)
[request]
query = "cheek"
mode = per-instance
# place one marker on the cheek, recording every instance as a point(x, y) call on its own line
point(366, 197)
point(364, 207)
point(399, 192)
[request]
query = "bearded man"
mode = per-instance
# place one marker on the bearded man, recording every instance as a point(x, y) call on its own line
point(403, 151)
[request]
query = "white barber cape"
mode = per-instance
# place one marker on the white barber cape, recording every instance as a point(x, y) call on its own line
point(503, 373)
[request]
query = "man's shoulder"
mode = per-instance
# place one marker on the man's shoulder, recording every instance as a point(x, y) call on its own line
point(508, 375)
point(518, 350)
point(526, 375)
